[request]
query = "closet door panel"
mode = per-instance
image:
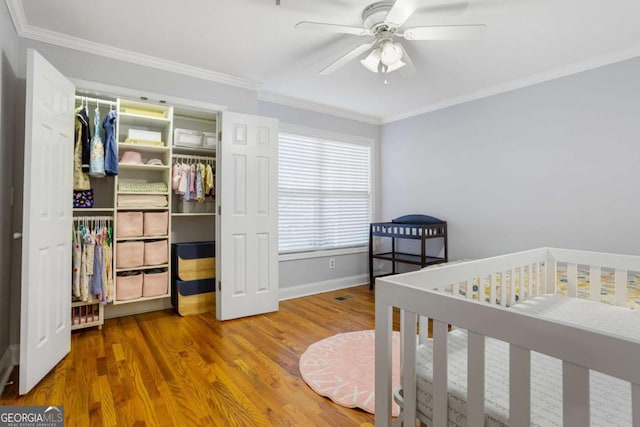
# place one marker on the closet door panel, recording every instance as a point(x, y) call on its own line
point(239, 279)
point(264, 262)
point(45, 334)
point(263, 186)
point(247, 188)
point(239, 184)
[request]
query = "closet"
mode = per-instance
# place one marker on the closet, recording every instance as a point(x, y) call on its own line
point(165, 192)
point(243, 223)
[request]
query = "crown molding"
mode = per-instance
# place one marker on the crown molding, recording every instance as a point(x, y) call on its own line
point(52, 37)
point(318, 108)
point(557, 73)
point(25, 30)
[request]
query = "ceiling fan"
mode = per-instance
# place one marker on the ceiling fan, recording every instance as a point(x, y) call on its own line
point(383, 20)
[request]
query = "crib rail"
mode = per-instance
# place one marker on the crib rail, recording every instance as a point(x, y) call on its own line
point(484, 289)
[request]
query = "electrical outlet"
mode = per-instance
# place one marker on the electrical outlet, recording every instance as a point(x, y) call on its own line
point(332, 263)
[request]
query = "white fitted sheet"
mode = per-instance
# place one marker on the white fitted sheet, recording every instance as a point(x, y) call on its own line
point(610, 397)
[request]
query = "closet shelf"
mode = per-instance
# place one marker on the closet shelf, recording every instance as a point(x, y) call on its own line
point(193, 214)
point(83, 303)
point(143, 167)
point(90, 210)
point(141, 299)
point(142, 208)
point(124, 239)
point(144, 267)
point(142, 147)
point(142, 120)
point(198, 151)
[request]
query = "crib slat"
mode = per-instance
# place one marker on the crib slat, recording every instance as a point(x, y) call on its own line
point(550, 283)
point(503, 289)
point(423, 329)
point(621, 287)
point(475, 378)
point(408, 368)
point(572, 279)
point(469, 289)
point(575, 395)
point(635, 404)
point(595, 283)
point(530, 273)
point(512, 287)
point(384, 322)
point(492, 291)
point(519, 386)
point(440, 379)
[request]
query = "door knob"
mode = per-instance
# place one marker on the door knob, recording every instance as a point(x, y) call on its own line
point(17, 235)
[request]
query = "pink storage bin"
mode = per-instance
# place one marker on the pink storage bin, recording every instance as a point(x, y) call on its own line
point(155, 284)
point(129, 224)
point(156, 253)
point(156, 223)
point(128, 287)
point(129, 254)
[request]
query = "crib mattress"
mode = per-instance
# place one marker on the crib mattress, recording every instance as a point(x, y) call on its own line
point(610, 397)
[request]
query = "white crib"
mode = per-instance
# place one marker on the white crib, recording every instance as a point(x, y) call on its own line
point(483, 299)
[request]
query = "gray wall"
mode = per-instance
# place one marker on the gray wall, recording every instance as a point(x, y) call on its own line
point(94, 68)
point(312, 270)
point(555, 164)
point(8, 94)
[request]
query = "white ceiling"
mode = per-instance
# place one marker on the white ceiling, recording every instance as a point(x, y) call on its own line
point(254, 43)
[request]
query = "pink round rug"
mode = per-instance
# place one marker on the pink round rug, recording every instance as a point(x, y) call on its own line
point(342, 368)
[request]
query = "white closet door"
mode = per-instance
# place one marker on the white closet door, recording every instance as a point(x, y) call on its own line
point(45, 334)
point(247, 235)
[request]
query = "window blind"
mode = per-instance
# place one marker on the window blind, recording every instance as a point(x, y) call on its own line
point(324, 199)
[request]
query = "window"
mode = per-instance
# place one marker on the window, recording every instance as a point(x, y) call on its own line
point(324, 199)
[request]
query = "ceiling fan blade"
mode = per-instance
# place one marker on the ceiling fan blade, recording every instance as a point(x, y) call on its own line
point(400, 12)
point(445, 32)
point(333, 28)
point(349, 56)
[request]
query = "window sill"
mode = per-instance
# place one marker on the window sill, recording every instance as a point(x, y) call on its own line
point(322, 254)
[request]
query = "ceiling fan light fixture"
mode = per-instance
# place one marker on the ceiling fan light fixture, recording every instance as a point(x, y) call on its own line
point(372, 60)
point(395, 66)
point(390, 53)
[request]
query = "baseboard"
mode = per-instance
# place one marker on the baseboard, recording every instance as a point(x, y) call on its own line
point(7, 363)
point(119, 310)
point(321, 287)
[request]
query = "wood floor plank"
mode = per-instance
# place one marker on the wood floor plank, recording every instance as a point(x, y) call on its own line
point(166, 370)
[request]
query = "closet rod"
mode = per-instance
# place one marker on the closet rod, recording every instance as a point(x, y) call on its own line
point(193, 157)
point(92, 218)
point(96, 100)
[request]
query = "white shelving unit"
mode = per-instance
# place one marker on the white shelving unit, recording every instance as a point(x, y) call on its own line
point(140, 116)
point(188, 226)
point(194, 226)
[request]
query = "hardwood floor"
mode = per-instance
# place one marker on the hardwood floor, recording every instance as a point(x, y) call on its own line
point(165, 370)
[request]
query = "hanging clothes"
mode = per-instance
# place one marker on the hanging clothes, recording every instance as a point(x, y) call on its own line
point(82, 116)
point(110, 144)
point(80, 177)
point(96, 165)
point(175, 177)
point(92, 260)
point(199, 186)
point(77, 262)
point(208, 179)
